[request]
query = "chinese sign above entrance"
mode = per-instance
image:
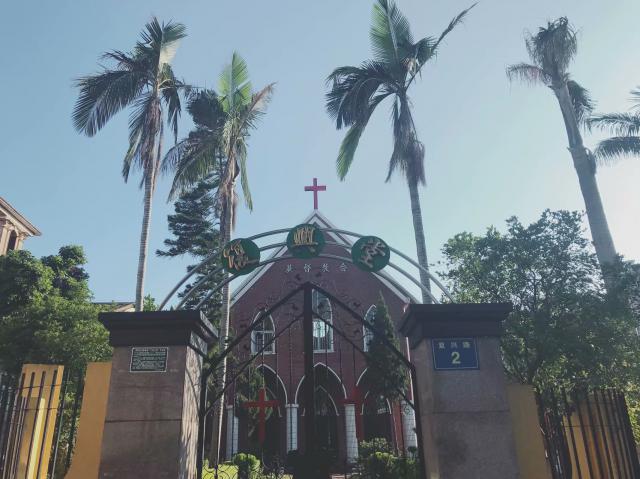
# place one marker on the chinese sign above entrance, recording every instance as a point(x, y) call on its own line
point(305, 241)
point(455, 353)
point(370, 253)
point(240, 256)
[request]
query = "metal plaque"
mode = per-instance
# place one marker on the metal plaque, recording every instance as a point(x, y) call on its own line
point(455, 353)
point(370, 253)
point(305, 241)
point(149, 360)
point(240, 256)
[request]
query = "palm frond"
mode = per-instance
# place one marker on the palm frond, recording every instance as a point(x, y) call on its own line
point(241, 152)
point(458, 19)
point(390, 33)
point(352, 90)
point(583, 105)
point(205, 109)
point(619, 124)
point(612, 149)
point(348, 148)
point(234, 85)
point(102, 96)
point(169, 89)
point(408, 151)
point(528, 73)
point(553, 47)
point(193, 160)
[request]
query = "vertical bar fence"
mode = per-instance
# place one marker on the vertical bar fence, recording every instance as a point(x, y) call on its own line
point(38, 423)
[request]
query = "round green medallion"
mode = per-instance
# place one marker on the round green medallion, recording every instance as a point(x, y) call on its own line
point(240, 256)
point(305, 241)
point(370, 253)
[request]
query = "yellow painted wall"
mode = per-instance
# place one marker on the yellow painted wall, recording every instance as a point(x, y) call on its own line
point(526, 431)
point(86, 458)
point(41, 392)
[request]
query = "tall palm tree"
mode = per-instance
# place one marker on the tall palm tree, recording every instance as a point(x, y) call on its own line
point(223, 124)
point(626, 130)
point(551, 51)
point(355, 92)
point(143, 80)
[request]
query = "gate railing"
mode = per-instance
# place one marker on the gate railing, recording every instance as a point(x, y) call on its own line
point(588, 434)
point(38, 421)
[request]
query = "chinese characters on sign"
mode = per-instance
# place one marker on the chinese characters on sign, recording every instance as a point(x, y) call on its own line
point(305, 241)
point(370, 253)
point(454, 353)
point(240, 256)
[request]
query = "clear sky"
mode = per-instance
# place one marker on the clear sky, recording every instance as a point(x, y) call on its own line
point(493, 149)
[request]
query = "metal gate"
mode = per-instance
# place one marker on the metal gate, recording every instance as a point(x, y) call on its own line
point(302, 323)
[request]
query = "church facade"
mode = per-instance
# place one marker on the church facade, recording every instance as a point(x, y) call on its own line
point(14, 228)
point(346, 411)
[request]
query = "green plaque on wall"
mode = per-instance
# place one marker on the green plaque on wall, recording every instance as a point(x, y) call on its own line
point(305, 241)
point(240, 256)
point(370, 253)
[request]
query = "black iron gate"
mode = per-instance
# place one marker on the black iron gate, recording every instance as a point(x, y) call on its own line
point(302, 321)
point(28, 415)
point(588, 434)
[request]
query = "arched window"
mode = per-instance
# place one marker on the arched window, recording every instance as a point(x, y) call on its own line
point(263, 334)
point(322, 333)
point(367, 334)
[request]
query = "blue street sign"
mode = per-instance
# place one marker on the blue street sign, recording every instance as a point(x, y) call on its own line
point(454, 353)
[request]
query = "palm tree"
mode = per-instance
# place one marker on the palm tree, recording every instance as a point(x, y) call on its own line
point(357, 91)
point(223, 124)
point(551, 51)
point(143, 80)
point(626, 130)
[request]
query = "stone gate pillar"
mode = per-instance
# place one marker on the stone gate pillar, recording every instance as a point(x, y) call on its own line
point(151, 424)
point(464, 409)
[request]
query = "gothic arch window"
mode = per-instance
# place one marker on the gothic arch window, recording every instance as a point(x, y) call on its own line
point(263, 335)
point(322, 332)
point(367, 334)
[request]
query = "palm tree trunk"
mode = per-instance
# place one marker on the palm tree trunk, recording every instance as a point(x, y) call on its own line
point(418, 229)
point(144, 236)
point(586, 171)
point(225, 237)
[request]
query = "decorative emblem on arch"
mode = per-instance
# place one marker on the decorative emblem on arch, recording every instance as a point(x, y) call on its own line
point(240, 256)
point(370, 253)
point(305, 241)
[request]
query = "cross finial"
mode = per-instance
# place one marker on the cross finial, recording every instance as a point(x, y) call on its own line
point(315, 188)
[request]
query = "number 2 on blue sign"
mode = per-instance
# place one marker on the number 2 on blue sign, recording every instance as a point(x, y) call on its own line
point(455, 357)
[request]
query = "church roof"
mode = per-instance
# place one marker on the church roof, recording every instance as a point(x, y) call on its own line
point(9, 212)
point(319, 219)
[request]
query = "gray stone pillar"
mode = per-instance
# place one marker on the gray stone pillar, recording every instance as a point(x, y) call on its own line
point(291, 411)
point(464, 411)
point(232, 433)
point(151, 424)
point(408, 426)
point(351, 437)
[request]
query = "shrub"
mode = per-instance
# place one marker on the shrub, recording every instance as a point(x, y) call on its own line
point(248, 466)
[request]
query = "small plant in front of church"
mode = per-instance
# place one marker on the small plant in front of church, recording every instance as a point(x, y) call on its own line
point(248, 466)
point(377, 460)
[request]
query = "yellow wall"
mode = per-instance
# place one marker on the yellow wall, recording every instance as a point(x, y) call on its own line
point(526, 431)
point(40, 417)
point(86, 458)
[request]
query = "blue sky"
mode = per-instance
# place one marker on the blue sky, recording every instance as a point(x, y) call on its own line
point(493, 149)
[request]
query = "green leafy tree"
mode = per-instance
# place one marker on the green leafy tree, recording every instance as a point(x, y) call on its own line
point(143, 80)
point(551, 51)
point(195, 233)
point(388, 370)
point(45, 312)
point(565, 328)
point(357, 91)
point(223, 124)
point(625, 128)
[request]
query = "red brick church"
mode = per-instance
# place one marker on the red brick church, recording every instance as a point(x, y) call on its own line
point(346, 412)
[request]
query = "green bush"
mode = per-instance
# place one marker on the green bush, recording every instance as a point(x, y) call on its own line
point(248, 466)
point(376, 460)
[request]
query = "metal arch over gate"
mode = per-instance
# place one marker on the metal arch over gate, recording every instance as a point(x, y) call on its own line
point(272, 246)
point(374, 255)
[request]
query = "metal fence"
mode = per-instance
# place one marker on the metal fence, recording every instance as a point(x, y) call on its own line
point(588, 434)
point(38, 419)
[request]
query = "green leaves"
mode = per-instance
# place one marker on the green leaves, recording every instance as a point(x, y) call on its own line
point(390, 33)
point(234, 85)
